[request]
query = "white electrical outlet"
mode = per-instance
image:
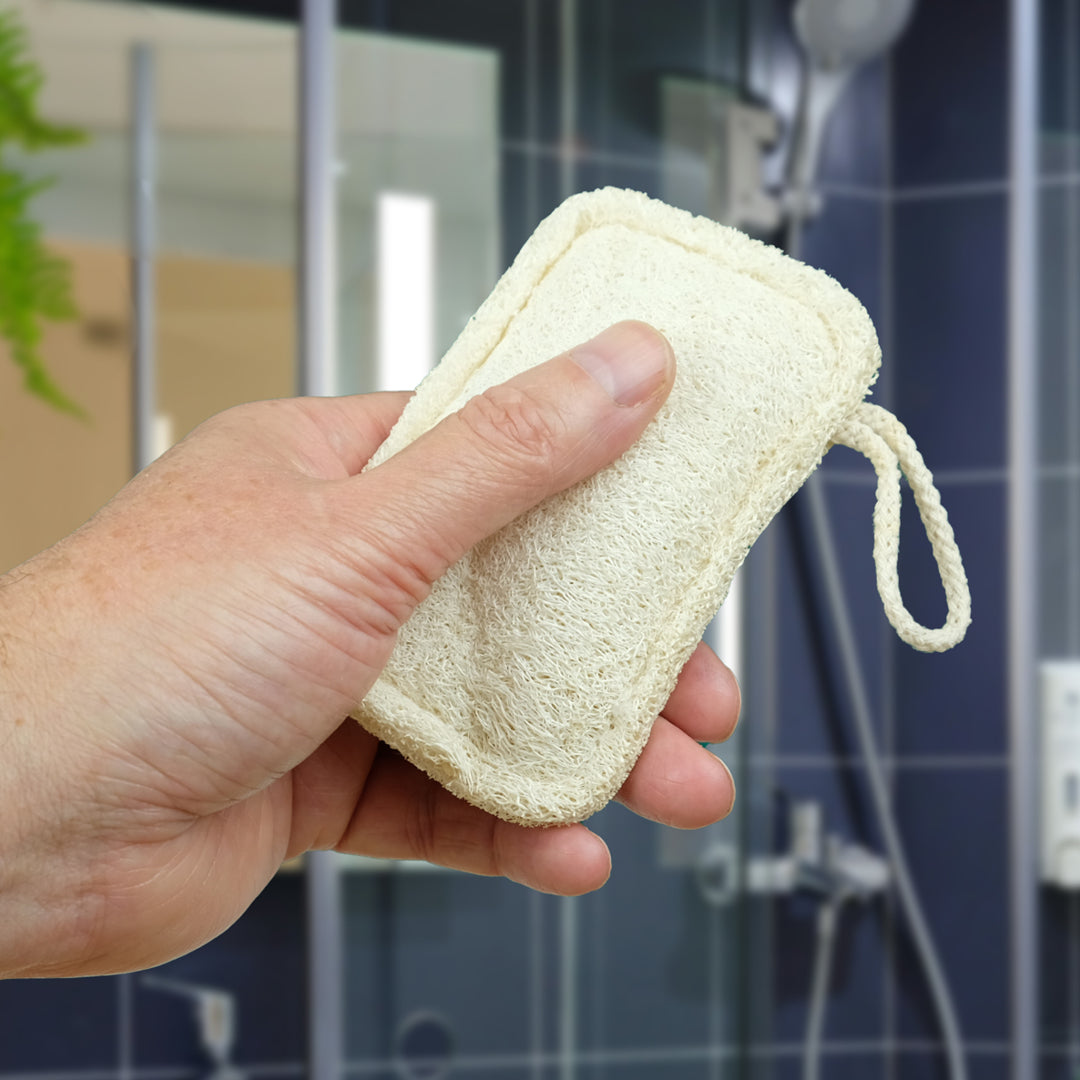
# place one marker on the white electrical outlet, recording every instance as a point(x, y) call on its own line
point(1060, 826)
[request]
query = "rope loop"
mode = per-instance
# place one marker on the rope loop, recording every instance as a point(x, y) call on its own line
point(877, 434)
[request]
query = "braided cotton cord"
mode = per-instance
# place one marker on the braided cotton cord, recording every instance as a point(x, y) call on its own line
point(876, 433)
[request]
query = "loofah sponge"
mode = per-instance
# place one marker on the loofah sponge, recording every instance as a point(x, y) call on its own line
point(528, 681)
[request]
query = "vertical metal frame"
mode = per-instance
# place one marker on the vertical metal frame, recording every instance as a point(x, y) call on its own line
point(143, 245)
point(317, 279)
point(316, 375)
point(1023, 507)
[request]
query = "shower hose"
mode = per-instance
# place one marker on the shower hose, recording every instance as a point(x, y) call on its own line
point(859, 699)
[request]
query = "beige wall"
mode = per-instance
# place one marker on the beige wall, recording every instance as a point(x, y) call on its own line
point(225, 334)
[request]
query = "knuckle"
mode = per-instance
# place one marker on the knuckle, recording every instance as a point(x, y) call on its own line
point(515, 427)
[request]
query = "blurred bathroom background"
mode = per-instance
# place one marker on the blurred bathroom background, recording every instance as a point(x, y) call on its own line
point(775, 945)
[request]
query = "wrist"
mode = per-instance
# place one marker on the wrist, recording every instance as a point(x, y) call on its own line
point(45, 902)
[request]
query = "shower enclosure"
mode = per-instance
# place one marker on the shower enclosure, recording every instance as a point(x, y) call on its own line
point(455, 129)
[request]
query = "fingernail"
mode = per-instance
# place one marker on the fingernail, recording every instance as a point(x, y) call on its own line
point(630, 360)
point(731, 778)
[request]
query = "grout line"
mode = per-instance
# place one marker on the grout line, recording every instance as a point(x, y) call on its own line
point(856, 192)
point(569, 33)
point(532, 107)
point(642, 1055)
point(890, 920)
point(162, 1072)
point(971, 476)
point(612, 1056)
point(1053, 180)
point(714, 1033)
point(125, 1050)
point(1072, 330)
point(956, 477)
point(959, 190)
point(1072, 494)
point(536, 984)
point(1072, 1050)
point(860, 477)
point(904, 762)
point(598, 936)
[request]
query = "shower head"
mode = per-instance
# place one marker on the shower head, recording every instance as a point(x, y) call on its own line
point(840, 34)
point(837, 37)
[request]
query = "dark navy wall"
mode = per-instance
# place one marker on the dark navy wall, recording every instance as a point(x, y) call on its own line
point(915, 225)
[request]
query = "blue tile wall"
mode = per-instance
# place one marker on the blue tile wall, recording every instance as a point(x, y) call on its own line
point(1060, 106)
point(949, 94)
point(1059, 212)
point(644, 965)
point(856, 997)
point(1057, 966)
point(954, 703)
point(447, 944)
point(658, 1069)
point(815, 705)
point(846, 242)
point(955, 824)
point(261, 961)
point(948, 355)
point(855, 150)
point(57, 1025)
point(912, 1065)
point(837, 1066)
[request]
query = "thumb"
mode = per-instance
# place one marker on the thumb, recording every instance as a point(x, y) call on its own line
point(511, 447)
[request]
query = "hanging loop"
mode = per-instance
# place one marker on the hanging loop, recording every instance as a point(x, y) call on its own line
point(877, 434)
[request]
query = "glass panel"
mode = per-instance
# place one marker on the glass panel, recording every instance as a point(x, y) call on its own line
point(1059, 327)
point(1059, 487)
point(418, 201)
point(226, 218)
point(460, 116)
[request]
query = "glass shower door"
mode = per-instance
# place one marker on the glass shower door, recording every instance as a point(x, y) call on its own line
point(448, 974)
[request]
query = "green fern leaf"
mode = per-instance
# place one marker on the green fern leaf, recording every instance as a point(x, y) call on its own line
point(35, 285)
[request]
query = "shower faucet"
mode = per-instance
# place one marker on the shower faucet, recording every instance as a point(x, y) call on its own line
point(817, 862)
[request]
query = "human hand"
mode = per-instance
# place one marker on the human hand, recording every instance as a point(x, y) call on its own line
point(178, 673)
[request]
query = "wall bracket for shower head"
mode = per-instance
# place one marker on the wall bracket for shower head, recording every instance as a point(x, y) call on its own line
point(713, 145)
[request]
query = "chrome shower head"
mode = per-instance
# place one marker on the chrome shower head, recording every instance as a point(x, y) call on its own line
point(839, 34)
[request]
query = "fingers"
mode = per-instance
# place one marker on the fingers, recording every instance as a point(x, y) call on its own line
point(404, 814)
point(511, 447)
point(677, 782)
point(705, 702)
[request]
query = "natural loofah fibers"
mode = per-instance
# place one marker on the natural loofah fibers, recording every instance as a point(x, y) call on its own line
point(528, 681)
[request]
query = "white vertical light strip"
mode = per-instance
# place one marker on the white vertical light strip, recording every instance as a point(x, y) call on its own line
point(728, 643)
point(1023, 517)
point(405, 288)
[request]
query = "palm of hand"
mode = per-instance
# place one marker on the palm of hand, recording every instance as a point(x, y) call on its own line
point(205, 727)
